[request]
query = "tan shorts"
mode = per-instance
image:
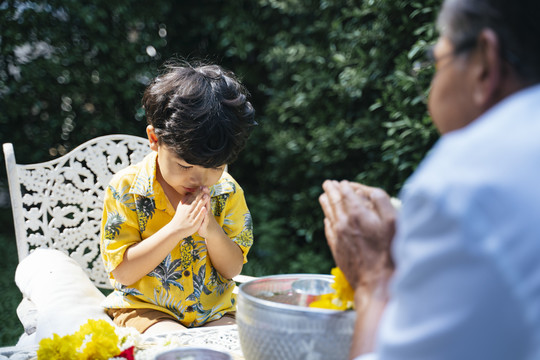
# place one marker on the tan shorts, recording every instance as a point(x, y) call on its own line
point(142, 319)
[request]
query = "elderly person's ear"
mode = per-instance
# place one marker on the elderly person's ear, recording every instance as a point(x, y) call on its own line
point(489, 70)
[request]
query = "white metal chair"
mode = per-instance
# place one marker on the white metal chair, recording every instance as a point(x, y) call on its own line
point(58, 204)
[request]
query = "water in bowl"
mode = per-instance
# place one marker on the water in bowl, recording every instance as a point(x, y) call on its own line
point(302, 292)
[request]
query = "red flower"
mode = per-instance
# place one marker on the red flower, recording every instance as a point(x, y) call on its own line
point(128, 353)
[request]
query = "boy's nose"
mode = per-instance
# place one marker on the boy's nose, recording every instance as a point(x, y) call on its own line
point(199, 177)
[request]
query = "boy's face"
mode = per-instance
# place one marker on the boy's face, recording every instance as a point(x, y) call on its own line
point(179, 175)
point(183, 177)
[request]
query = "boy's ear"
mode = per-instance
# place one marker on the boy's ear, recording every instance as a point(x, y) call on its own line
point(152, 137)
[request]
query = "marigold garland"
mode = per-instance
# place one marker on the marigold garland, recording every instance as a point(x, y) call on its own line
point(341, 299)
point(95, 340)
point(99, 340)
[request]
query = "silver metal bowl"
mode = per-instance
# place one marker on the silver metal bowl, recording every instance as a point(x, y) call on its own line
point(274, 324)
point(193, 353)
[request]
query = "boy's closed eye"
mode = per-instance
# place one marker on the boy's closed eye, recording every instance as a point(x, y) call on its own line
point(184, 167)
point(219, 168)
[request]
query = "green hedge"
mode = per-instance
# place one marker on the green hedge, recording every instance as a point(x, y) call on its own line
point(339, 100)
point(332, 83)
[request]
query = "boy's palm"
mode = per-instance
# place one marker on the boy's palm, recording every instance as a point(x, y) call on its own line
point(190, 213)
point(209, 222)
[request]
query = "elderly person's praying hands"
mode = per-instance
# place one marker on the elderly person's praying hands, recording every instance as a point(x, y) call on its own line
point(359, 226)
point(363, 219)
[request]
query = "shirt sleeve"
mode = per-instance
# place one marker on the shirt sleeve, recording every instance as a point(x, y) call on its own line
point(450, 297)
point(119, 225)
point(237, 222)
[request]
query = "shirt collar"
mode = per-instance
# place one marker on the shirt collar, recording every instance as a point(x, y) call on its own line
point(225, 185)
point(143, 183)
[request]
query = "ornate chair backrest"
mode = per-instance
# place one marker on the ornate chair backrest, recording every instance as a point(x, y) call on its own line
point(58, 204)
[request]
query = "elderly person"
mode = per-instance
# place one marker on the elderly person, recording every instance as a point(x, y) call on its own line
point(456, 274)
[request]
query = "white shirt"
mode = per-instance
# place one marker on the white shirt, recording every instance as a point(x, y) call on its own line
point(467, 247)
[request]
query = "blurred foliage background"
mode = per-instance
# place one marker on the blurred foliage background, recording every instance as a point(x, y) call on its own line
point(334, 83)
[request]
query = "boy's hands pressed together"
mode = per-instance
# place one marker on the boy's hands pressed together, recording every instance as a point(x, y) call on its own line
point(191, 212)
point(225, 254)
point(209, 226)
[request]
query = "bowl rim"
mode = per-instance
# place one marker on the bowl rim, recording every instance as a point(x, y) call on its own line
point(207, 350)
point(255, 301)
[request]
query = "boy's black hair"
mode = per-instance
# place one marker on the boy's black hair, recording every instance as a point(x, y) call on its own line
point(200, 113)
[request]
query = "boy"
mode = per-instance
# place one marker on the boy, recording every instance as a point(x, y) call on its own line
point(176, 228)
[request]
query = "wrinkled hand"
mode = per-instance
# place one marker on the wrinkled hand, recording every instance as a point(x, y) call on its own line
point(359, 227)
point(191, 212)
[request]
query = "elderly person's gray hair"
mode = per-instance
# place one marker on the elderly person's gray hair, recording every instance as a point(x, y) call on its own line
point(515, 23)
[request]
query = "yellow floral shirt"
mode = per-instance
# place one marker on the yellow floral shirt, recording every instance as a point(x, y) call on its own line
point(185, 285)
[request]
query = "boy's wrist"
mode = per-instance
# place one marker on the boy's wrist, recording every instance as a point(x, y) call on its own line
point(171, 230)
point(214, 230)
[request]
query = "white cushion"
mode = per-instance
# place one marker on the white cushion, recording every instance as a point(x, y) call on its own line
point(27, 313)
point(64, 296)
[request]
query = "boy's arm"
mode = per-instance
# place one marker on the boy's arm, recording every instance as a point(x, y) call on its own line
point(226, 256)
point(143, 257)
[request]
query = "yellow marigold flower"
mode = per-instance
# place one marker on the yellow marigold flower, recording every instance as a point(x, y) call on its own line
point(343, 289)
point(102, 341)
point(327, 301)
point(341, 299)
point(58, 348)
point(101, 327)
point(99, 348)
point(95, 340)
